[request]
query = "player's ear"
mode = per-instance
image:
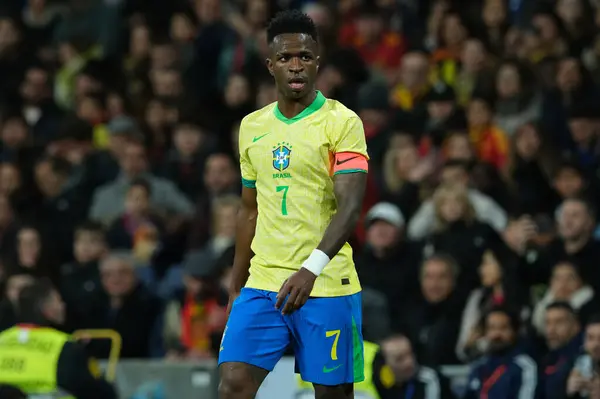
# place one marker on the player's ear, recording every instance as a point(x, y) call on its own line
point(269, 65)
point(318, 62)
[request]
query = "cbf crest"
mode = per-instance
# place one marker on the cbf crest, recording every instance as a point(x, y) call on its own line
point(281, 156)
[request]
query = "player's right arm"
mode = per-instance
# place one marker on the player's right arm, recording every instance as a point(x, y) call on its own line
point(246, 223)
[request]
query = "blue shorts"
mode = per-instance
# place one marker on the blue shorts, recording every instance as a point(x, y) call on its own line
point(325, 334)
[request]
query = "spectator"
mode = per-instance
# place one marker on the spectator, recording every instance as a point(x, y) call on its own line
point(126, 307)
point(565, 285)
point(506, 371)
point(583, 379)
point(563, 338)
point(195, 318)
point(8, 305)
point(397, 373)
point(486, 210)
point(499, 285)
point(388, 263)
point(109, 201)
point(80, 279)
point(431, 319)
point(7, 225)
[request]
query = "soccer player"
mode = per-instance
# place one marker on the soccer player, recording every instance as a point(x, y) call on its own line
point(304, 169)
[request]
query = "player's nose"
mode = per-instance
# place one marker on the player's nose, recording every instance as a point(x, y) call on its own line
point(296, 65)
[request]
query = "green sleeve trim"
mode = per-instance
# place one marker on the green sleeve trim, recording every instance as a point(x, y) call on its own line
point(346, 171)
point(248, 183)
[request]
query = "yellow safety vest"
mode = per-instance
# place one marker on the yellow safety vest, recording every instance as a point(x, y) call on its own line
point(362, 390)
point(29, 358)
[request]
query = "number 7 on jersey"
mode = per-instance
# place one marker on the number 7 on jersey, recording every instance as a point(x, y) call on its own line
point(284, 199)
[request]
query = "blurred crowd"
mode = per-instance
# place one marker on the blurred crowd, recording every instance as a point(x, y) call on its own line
point(119, 177)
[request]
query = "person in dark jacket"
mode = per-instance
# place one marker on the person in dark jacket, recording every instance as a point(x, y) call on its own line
point(396, 373)
point(563, 338)
point(506, 372)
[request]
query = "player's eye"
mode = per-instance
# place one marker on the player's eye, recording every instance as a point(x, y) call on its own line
point(284, 58)
point(306, 58)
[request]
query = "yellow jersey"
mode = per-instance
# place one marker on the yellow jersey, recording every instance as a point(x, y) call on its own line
point(290, 163)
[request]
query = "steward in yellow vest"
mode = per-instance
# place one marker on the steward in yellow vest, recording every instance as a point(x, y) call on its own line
point(42, 361)
point(362, 390)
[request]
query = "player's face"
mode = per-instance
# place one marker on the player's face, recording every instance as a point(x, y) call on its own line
point(294, 64)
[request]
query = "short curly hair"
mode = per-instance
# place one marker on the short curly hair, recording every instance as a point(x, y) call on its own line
point(291, 21)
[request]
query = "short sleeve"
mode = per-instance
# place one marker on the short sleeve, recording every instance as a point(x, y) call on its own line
point(350, 137)
point(247, 169)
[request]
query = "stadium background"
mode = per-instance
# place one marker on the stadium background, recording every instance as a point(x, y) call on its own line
point(118, 134)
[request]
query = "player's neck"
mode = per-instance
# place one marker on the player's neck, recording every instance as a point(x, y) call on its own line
point(290, 108)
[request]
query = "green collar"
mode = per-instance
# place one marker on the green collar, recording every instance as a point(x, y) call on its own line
point(311, 109)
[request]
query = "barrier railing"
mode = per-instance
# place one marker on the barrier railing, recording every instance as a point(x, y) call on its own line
point(185, 380)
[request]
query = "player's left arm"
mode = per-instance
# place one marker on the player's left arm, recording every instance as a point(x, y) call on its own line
point(350, 181)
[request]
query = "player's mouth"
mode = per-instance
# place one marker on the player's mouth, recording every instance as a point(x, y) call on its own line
point(297, 84)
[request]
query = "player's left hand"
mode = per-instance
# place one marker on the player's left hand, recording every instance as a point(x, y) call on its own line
point(298, 286)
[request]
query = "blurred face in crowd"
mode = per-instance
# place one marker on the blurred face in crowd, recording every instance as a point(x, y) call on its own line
point(137, 201)
point(15, 284)
point(453, 30)
point(207, 11)
point(115, 105)
point(561, 327)
point(440, 110)
point(182, 28)
point(546, 27)
point(166, 82)
point(6, 212)
point(568, 182)
point(89, 246)
point(90, 110)
point(499, 332)
point(10, 178)
point(118, 277)
point(319, 14)
point(14, 133)
point(574, 221)
point(370, 27)
point(156, 115)
point(219, 174)
point(34, 87)
point(565, 281)
point(9, 35)
point(508, 81)
point(257, 12)
point(568, 75)
point(490, 271)
point(163, 56)
point(527, 142)
point(225, 220)
point(407, 158)
point(237, 91)
point(454, 175)
point(399, 356)
point(569, 11)
point(582, 130)
point(494, 13)
point(478, 113)
point(134, 160)
point(473, 55)
point(294, 63)
point(49, 181)
point(53, 308)
point(382, 235)
point(139, 41)
point(85, 84)
point(187, 139)
point(437, 280)
point(414, 71)
point(592, 341)
point(193, 285)
point(29, 247)
point(459, 147)
point(451, 204)
point(267, 94)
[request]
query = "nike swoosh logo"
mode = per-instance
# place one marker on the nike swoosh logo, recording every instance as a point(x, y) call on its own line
point(345, 160)
point(256, 138)
point(329, 370)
